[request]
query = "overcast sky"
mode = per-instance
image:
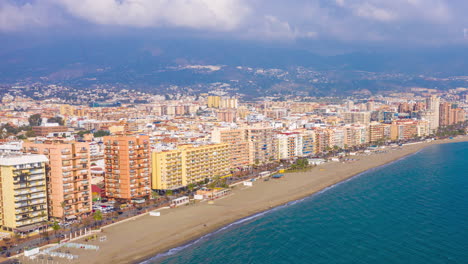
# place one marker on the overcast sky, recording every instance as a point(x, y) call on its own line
point(373, 21)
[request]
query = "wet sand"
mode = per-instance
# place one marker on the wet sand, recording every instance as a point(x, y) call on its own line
point(144, 237)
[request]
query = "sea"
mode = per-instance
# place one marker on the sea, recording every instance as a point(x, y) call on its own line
point(414, 210)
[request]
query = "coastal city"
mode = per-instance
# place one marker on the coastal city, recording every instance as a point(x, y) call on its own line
point(70, 167)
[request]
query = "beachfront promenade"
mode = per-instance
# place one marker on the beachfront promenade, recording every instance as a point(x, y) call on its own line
point(145, 236)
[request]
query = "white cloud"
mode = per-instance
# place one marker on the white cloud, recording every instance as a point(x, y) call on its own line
point(349, 20)
point(372, 12)
point(14, 17)
point(219, 15)
point(271, 27)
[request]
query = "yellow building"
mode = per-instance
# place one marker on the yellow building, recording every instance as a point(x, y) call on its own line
point(188, 164)
point(214, 101)
point(23, 199)
point(239, 147)
point(67, 110)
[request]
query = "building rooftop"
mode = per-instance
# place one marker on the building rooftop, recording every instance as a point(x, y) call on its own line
point(17, 159)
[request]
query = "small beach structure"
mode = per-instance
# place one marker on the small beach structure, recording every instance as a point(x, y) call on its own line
point(214, 193)
point(155, 213)
point(180, 201)
point(248, 183)
point(277, 176)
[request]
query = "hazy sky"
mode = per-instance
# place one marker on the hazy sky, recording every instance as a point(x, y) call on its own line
point(372, 21)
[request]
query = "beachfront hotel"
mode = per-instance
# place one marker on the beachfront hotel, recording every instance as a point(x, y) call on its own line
point(23, 194)
point(407, 129)
point(290, 145)
point(238, 146)
point(127, 160)
point(378, 132)
point(175, 169)
point(68, 177)
point(262, 146)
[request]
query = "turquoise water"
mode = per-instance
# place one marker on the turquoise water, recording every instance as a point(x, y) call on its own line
point(414, 210)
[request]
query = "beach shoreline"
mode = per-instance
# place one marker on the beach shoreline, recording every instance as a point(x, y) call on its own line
point(142, 239)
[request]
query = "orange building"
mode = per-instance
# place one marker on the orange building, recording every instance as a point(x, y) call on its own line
point(68, 177)
point(449, 115)
point(378, 131)
point(445, 113)
point(127, 167)
point(44, 131)
point(238, 146)
point(408, 129)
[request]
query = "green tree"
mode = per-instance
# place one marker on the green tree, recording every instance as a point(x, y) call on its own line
point(30, 133)
point(191, 186)
point(97, 216)
point(55, 227)
point(56, 119)
point(35, 120)
point(101, 133)
point(83, 132)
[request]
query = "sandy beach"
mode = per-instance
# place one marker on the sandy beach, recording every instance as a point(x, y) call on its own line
point(145, 236)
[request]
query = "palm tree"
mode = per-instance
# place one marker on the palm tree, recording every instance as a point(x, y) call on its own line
point(97, 216)
point(55, 227)
point(63, 204)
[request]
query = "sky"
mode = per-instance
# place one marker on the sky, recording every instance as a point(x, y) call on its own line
point(385, 22)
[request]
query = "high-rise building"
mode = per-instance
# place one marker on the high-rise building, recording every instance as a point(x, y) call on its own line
point(23, 193)
point(432, 104)
point(228, 103)
point(404, 108)
point(378, 132)
point(238, 146)
point(214, 101)
point(457, 115)
point(357, 117)
point(127, 161)
point(175, 169)
point(227, 115)
point(68, 177)
point(262, 145)
point(289, 145)
point(408, 129)
point(355, 135)
point(419, 106)
point(308, 145)
point(324, 139)
point(444, 114)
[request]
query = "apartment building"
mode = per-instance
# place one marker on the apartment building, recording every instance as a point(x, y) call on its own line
point(450, 115)
point(338, 137)
point(308, 146)
point(262, 146)
point(378, 132)
point(357, 117)
point(127, 161)
point(324, 139)
point(50, 130)
point(405, 129)
point(355, 135)
point(214, 101)
point(290, 145)
point(68, 177)
point(238, 146)
point(175, 169)
point(433, 105)
point(23, 193)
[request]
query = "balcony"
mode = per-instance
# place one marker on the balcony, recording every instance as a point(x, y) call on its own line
point(36, 178)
